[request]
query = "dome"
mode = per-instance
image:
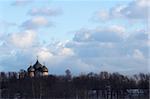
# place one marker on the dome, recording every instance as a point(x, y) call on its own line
point(37, 65)
point(44, 69)
point(31, 69)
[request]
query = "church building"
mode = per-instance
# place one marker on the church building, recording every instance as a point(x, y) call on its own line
point(37, 70)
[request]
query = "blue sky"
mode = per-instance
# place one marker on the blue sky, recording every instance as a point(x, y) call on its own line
point(81, 35)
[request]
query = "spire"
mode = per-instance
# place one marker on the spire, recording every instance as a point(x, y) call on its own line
point(44, 63)
point(37, 64)
point(37, 57)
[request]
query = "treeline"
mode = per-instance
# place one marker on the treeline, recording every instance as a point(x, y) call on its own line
point(85, 86)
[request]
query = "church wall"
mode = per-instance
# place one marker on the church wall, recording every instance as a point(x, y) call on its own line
point(45, 73)
point(31, 74)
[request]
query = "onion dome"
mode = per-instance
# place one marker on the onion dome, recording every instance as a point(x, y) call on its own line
point(44, 69)
point(31, 69)
point(37, 65)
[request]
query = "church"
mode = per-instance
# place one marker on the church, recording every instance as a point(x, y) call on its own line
point(37, 70)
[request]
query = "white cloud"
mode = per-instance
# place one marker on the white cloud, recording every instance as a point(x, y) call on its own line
point(78, 56)
point(103, 15)
point(44, 54)
point(84, 67)
point(46, 11)
point(115, 11)
point(66, 52)
point(111, 46)
point(24, 39)
point(82, 35)
point(108, 34)
point(36, 22)
point(143, 3)
point(117, 28)
point(89, 49)
point(21, 2)
point(138, 39)
point(7, 24)
point(137, 54)
point(135, 10)
point(39, 21)
point(99, 49)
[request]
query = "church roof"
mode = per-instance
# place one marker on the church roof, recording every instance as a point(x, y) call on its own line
point(44, 69)
point(31, 69)
point(37, 65)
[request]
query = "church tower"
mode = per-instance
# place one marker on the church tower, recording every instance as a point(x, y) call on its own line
point(31, 71)
point(37, 70)
point(45, 71)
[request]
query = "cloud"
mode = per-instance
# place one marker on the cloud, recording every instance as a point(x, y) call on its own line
point(96, 43)
point(141, 35)
point(102, 15)
point(139, 39)
point(7, 24)
point(23, 40)
point(79, 56)
point(135, 10)
point(44, 54)
point(45, 11)
point(21, 2)
point(110, 34)
point(36, 22)
point(66, 51)
point(112, 48)
point(137, 54)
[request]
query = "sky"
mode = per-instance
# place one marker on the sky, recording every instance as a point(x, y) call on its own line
point(80, 35)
